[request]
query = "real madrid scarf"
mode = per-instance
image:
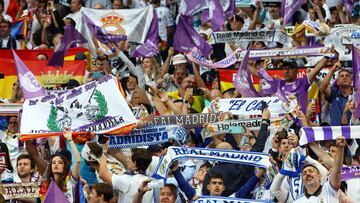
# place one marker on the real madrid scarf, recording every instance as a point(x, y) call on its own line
point(311, 51)
point(149, 136)
point(312, 134)
point(233, 156)
point(350, 172)
point(213, 199)
point(256, 35)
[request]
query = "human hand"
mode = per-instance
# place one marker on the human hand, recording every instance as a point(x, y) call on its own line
point(144, 186)
point(163, 96)
point(341, 141)
point(68, 134)
point(275, 142)
point(171, 52)
point(188, 94)
point(266, 114)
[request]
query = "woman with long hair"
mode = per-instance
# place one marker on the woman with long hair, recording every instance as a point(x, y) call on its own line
point(58, 170)
point(7, 170)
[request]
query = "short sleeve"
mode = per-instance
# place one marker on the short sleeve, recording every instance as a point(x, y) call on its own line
point(121, 182)
point(329, 191)
point(332, 95)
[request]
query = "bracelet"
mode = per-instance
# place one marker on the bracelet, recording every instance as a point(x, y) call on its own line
point(141, 193)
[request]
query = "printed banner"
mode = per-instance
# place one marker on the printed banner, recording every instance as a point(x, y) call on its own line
point(257, 35)
point(20, 190)
point(187, 121)
point(251, 124)
point(232, 156)
point(301, 52)
point(150, 135)
point(48, 76)
point(197, 57)
point(134, 23)
point(312, 134)
point(252, 106)
point(244, 3)
point(96, 107)
point(350, 172)
point(213, 199)
point(336, 36)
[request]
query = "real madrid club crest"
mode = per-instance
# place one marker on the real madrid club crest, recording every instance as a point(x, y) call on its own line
point(111, 23)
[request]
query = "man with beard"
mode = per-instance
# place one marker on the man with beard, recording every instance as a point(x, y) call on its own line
point(25, 173)
point(329, 192)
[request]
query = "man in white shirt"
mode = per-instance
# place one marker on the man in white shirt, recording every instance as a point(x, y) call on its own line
point(128, 185)
point(329, 192)
point(166, 21)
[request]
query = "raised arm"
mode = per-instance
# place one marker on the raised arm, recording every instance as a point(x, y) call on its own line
point(335, 174)
point(320, 65)
point(325, 87)
point(104, 174)
point(166, 65)
point(199, 81)
point(34, 153)
point(76, 167)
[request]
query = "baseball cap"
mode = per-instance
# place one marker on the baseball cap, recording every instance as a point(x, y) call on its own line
point(291, 63)
point(178, 59)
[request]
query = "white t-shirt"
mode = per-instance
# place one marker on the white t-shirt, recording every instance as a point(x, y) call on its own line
point(327, 195)
point(128, 186)
point(165, 20)
point(353, 189)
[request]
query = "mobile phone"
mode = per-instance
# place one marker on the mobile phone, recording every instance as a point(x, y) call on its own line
point(263, 106)
point(102, 139)
point(198, 92)
point(97, 74)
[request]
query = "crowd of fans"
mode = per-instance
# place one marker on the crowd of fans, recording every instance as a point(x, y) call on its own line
point(168, 84)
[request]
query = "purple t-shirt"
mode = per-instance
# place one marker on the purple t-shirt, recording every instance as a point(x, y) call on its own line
point(299, 87)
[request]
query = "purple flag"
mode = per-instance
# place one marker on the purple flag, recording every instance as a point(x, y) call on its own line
point(356, 78)
point(30, 87)
point(231, 10)
point(349, 5)
point(243, 82)
point(216, 15)
point(288, 8)
point(189, 7)
point(270, 86)
point(54, 194)
point(71, 36)
point(100, 34)
point(149, 48)
point(187, 38)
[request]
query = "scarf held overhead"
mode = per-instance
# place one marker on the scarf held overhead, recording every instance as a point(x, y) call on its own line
point(232, 156)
